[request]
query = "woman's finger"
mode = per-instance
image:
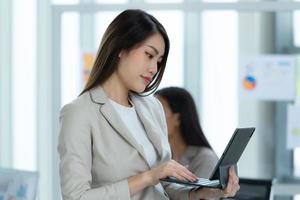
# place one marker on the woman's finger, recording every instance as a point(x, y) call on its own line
point(233, 183)
point(186, 173)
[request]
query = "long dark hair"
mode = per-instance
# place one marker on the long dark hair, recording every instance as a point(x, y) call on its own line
point(182, 102)
point(126, 32)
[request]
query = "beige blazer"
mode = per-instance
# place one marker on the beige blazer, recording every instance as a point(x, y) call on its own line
point(98, 153)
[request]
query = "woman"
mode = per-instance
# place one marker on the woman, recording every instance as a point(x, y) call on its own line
point(188, 143)
point(113, 142)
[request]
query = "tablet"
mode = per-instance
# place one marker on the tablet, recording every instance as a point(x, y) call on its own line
point(230, 157)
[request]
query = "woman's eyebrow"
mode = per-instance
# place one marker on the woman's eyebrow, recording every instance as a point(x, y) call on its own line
point(154, 49)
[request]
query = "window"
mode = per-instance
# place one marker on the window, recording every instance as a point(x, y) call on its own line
point(173, 75)
point(297, 167)
point(24, 85)
point(65, 2)
point(219, 77)
point(111, 1)
point(296, 28)
point(164, 1)
point(70, 54)
point(102, 21)
point(296, 35)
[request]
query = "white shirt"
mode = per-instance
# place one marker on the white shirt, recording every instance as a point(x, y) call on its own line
point(135, 126)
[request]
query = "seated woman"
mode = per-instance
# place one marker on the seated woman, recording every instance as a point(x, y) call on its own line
point(188, 143)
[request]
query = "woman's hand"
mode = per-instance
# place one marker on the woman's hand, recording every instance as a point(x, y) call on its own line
point(209, 193)
point(170, 168)
point(148, 178)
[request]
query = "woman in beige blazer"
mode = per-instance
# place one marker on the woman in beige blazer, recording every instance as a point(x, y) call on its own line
point(113, 138)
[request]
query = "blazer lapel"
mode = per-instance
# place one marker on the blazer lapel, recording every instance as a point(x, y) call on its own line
point(106, 109)
point(150, 128)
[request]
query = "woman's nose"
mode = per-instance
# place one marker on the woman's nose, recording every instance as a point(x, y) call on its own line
point(153, 68)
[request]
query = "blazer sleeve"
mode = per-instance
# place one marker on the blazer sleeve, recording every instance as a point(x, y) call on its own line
point(75, 150)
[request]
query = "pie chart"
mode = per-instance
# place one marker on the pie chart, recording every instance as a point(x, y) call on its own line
point(249, 82)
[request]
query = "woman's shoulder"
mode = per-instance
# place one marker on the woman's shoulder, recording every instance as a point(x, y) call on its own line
point(79, 104)
point(203, 152)
point(207, 151)
point(147, 101)
point(201, 160)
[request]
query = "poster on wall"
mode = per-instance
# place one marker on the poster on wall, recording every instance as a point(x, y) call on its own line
point(87, 61)
point(293, 126)
point(267, 77)
point(17, 185)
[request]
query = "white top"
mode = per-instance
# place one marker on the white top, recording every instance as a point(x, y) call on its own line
point(135, 126)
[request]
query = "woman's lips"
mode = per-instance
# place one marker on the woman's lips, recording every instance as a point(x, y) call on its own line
point(147, 80)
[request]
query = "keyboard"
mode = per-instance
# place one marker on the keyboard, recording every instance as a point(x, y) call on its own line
point(201, 182)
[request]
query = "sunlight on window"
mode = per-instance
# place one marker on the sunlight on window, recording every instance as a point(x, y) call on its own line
point(296, 35)
point(164, 1)
point(219, 77)
point(67, 2)
point(24, 84)
point(296, 29)
point(173, 75)
point(220, 1)
point(71, 82)
point(297, 162)
point(102, 21)
point(111, 1)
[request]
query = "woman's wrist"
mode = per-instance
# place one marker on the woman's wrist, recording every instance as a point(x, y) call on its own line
point(148, 178)
point(139, 182)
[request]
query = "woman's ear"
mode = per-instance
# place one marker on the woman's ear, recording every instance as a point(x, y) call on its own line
point(177, 119)
point(120, 54)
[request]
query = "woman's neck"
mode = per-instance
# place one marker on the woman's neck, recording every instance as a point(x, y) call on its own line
point(178, 146)
point(116, 91)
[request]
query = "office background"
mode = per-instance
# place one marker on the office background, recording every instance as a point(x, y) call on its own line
point(42, 41)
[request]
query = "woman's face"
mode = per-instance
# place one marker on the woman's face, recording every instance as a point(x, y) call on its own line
point(137, 67)
point(173, 121)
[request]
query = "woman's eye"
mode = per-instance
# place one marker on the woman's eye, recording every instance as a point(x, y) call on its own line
point(149, 55)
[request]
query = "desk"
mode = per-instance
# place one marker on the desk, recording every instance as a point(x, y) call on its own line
point(286, 189)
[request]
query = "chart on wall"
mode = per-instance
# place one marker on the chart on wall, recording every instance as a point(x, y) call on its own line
point(17, 185)
point(267, 77)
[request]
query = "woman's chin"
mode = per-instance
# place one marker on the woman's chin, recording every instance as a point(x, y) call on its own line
point(139, 89)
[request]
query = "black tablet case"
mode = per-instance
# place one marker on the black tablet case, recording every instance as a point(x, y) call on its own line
point(230, 157)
